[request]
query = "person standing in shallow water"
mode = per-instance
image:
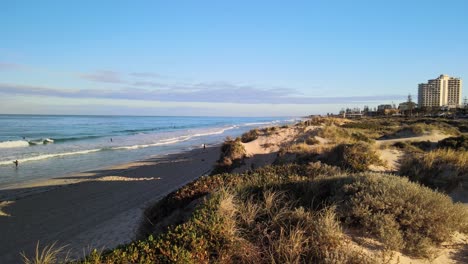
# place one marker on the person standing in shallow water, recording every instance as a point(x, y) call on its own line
point(16, 163)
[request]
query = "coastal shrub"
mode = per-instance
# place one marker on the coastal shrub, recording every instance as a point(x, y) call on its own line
point(423, 145)
point(441, 169)
point(279, 231)
point(250, 136)
point(455, 143)
point(311, 140)
point(334, 134)
point(269, 130)
point(401, 214)
point(232, 156)
point(299, 153)
point(359, 136)
point(421, 127)
point(177, 206)
point(355, 157)
point(407, 147)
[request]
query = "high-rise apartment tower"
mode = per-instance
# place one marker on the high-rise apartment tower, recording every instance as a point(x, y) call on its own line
point(443, 91)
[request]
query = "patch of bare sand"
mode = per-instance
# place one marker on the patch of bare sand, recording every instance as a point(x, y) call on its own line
point(451, 252)
point(391, 157)
point(435, 136)
point(263, 151)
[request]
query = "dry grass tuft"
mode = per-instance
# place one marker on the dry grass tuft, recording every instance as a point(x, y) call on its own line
point(439, 169)
point(355, 157)
point(50, 254)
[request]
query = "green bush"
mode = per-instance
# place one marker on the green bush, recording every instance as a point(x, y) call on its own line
point(456, 143)
point(441, 169)
point(232, 156)
point(358, 136)
point(311, 141)
point(250, 136)
point(355, 157)
point(402, 214)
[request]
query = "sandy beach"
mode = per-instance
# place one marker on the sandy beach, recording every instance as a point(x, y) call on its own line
point(96, 209)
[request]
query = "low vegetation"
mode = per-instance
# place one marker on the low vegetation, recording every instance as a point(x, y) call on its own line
point(401, 214)
point(442, 169)
point(354, 157)
point(311, 140)
point(296, 213)
point(232, 156)
point(455, 143)
point(250, 136)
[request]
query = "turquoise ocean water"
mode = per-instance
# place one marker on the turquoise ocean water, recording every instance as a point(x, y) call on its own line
point(51, 146)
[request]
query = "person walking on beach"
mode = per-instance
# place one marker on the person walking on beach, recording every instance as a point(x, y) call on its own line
point(16, 163)
point(204, 146)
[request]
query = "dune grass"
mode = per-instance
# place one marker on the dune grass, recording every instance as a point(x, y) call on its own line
point(49, 254)
point(354, 157)
point(442, 169)
point(455, 143)
point(232, 156)
point(250, 135)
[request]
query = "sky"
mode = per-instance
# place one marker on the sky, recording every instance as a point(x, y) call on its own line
point(223, 58)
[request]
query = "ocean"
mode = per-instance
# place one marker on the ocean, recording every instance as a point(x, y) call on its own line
point(48, 146)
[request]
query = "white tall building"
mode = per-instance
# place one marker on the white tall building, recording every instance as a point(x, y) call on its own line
point(443, 91)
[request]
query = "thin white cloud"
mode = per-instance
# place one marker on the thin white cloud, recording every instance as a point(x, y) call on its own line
point(104, 76)
point(7, 66)
point(209, 93)
point(147, 75)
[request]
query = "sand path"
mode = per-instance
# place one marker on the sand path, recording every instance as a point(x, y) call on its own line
point(392, 156)
point(101, 211)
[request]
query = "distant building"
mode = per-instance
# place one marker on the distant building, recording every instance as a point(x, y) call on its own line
point(407, 108)
point(443, 91)
point(387, 109)
point(382, 107)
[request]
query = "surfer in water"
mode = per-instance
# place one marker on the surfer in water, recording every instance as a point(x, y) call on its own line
point(111, 139)
point(16, 163)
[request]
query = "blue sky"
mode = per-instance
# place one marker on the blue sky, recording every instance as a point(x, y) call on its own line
point(242, 58)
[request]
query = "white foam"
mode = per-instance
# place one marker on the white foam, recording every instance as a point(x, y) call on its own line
point(169, 141)
point(261, 123)
point(213, 132)
point(48, 156)
point(48, 140)
point(14, 144)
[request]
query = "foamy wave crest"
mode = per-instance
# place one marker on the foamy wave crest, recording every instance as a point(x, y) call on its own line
point(14, 144)
point(261, 123)
point(213, 132)
point(160, 143)
point(174, 140)
point(48, 156)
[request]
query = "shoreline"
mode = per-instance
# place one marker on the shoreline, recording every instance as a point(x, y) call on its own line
point(43, 185)
point(94, 209)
